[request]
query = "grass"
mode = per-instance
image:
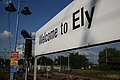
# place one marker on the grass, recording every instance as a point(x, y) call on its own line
point(110, 75)
point(103, 75)
point(5, 74)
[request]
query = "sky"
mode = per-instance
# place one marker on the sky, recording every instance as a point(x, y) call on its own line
point(42, 12)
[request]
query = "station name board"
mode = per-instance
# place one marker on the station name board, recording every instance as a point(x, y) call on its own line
point(80, 24)
point(78, 16)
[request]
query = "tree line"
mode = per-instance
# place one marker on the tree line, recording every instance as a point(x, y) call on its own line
point(109, 59)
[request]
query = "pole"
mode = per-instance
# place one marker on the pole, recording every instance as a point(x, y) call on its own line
point(60, 63)
point(68, 63)
point(35, 68)
point(11, 74)
point(47, 75)
point(26, 69)
point(106, 57)
point(17, 25)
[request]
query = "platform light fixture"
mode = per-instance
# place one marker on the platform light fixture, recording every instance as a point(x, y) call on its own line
point(26, 11)
point(10, 7)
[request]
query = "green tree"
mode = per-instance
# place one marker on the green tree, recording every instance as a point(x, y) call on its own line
point(21, 62)
point(45, 61)
point(78, 61)
point(109, 59)
point(61, 60)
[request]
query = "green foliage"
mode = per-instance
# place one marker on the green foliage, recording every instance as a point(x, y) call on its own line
point(45, 61)
point(78, 61)
point(21, 62)
point(4, 62)
point(61, 60)
point(109, 59)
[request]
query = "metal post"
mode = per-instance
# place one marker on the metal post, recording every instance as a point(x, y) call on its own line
point(47, 75)
point(26, 69)
point(35, 68)
point(17, 25)
point(106, 57)
point(60, 63)
point(11, 75)
point(68, 63)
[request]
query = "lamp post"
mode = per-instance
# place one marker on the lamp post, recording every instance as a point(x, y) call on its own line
point(10, 8)
point(25, 11)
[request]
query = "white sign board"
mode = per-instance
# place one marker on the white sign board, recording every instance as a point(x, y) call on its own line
point(81, 23)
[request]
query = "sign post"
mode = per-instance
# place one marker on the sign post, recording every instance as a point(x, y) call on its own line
point(13, 64)
point(26, 67)
point(48, 68)
point(35, 67)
